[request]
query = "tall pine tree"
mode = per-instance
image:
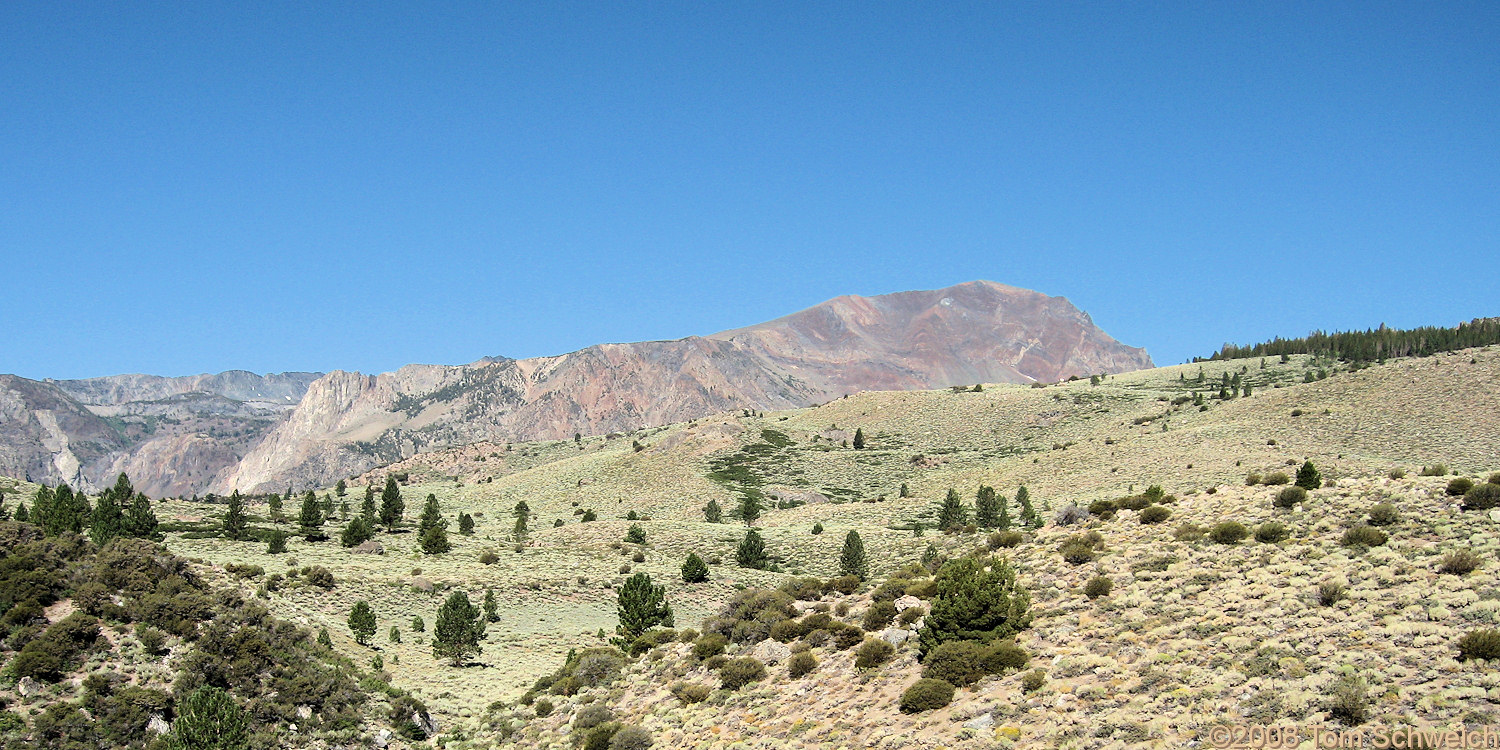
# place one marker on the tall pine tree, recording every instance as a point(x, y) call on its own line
point(234, 519)
point(987, 508)
point(391, 505)
point(140, 520)
point(458, 629)
point(852, 559)
point(432, 531)
point(108, 521)
point(642, 606)
point(952, 514)
point(310, 520)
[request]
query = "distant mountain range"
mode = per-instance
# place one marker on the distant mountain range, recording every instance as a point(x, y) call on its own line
point(204, 433)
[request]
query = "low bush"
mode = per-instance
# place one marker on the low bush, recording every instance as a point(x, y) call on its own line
point(1458, 486)
point(1479, 644)
point(1482, 497)
point(966, 662)
point(1459, 562)
point(1252, 479)
point(1383, 514)
point(592, 715)
point(709, 644)
point(873, 653)
point(737, 673)
point(488, 557)
point(543, 708)
point(1435, 470)
point(1288, 497)
point(879, 616)
point(690, 692)
point(1363, 536)
point(1032, 681)
point(1070, 514)
point(911, 615)
point(599, 737)
point(846, 637)
point(1004, 539)
point(926, 695)
point(1104, 509)
point(1330, 592)
point(631, 738)
point(1275, 478)
point(844, 584)
point(801, 664)
point(1271, 532)
point(802, 589)
point(1494, 478)
point(1154, 514)
point(1098, 586)
point(1189, 532)
point(1228, 532)
point(1349, 700)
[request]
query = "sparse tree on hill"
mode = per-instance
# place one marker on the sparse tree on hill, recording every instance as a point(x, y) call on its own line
point(905, 490)
point(234, 519)
point(987, 508)
point(356, 532)
point(391, 505)
point(362, 622)
point(522, 510)
point(458, 630)
point(1003, 521)
point(108, 520)
point(1029, 517)
point(975, 600)
point(465, 524)
point(952, 514)
point(432, 530)
point(750, 507)
point(341, 489)
point(852, 559)
point(752, 551)
point(694, 570)
point(642, 606)
point(491, 607)
point(1308, 477)
point(310, 520)
point(859, 439)
point(713, 513)
point(275, 504)
point(277, 544)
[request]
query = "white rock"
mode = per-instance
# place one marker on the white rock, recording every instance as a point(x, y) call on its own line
point(158, 725)
point(982, 721)
point(304, 712)
point(383, 738)
point(28, 687)
point(894, 636)
point(907, 602)
point(770, 652)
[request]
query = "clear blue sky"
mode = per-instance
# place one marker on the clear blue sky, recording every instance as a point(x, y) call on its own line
point(193, 187)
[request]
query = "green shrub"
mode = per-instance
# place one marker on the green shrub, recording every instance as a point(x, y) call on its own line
point(737, 673)
point(1383, 514)
point(1005, 539)
point(57, 650)
point(1479, 644)
point(1460, 562)
point(1363, 536)
point(599, 737)
point(1349, 700)
point(1252, 479)
point(319, 576)
point(709, 644)
point(1154, 514)
point(802, 589)
point(636, 534)
point(1458, 486)
point(966, 662)
point(846, 637)
point(1098, 586)
point(911, 615)
point(631, 738)
point(1288, 497)
point(926, 695)
point(1104, 509)
point(1275, 478)
point(690, 692)
point(591, 715)
point(488, 557)
point(1435, 470)
point(801, 664)
point(1032, 681)
point(1482, 497)
point(1330, 592)
point(1271, 532)
point(787, 631)
point(1494, 478)
point(879, 615)
point(1188, 532)
point(1228, 532)
point(846, 584)
point(873, 653)
point(1076, 552)
point(543, 708)
point(1308, 477)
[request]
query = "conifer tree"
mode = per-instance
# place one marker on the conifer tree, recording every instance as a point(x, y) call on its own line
point(859, 439)
point(341, 489)
point(694, 570)
point(1003, 522)
point(356, 532)
point(209, 719)
point(275, 504)
point(975, 600)
point(367, 507)
point(140, 520)
point(817, 528)
point(491, 607)
point(1308, 477)
point(310, 520)
point(108, 520)
point(1029, 517)
point(905, 490)
point(277, 543)
point(952, 514)
point(458, 630)
point(642, 606)
point(434, 539)
point(852, 559)
point(391, 505)
point(713, 513)
point(752, 551)
point(465, 524)
point(234, 519)
point(362, 622)
point(987, 508)
point(22, 513)
point(522, 510)
point(750, 507)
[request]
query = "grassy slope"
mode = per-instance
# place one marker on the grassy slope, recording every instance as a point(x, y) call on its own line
point(555, 593)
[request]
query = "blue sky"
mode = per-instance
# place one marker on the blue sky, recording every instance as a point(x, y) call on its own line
point(194, 187)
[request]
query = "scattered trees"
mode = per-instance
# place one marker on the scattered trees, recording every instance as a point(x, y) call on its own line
point(362, 622)
point(392, 507)
point(458, 630)
point(694, 570)
point(642, 606)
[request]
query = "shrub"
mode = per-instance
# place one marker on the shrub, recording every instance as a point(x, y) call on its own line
point(1479, 644)
point(1383, 514)
point(976, 600)
point(1363, 536)
point(802, 589)
point(1154, 514)
point(1308, 477)
point(1288, 497)
point(1275, 478)
point(53, 653)
point(1070, 514)
point(1104, 509)
point(1435, 470)
point(1004, 539)
point(1098, 586)
point(911, 615)
point(630, 738)
point(636, 534)
point(1458, 486)
point(543, 708)
point(1228, 532)
point(873, 653)
point(846, 636)
point(1494, 478)
point(488, 557)
point(1252, 479)
point(737, 673)
point(801, 664)
point(1271, 532)
point(1330, 592)
point(591, 715)
point(1349, 700)
point(1076, 552)
point(689, 692)
point(153, 641)
point(319, 576)
point(210, 718)
point(879, 615)
point(926, 695)
point(844, 584)
point(1188, 532)
point(599, 737)
point(1459, 562)
point(967, 662)
point(1033, 680)
point(1482, 497)
point(709, 644)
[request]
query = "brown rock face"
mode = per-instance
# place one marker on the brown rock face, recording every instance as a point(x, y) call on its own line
point(239, 430)
point(970, 333)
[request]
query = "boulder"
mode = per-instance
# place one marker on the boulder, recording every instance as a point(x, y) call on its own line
point(370, 547)
point(383, 738)
point(770, 652)
point(28, 687)
point(907, 602)
point(422, 584)
point(894, 636)
point(982, 721)
point(158, 725)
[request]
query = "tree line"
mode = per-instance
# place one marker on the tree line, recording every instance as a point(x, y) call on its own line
point(1373, 345)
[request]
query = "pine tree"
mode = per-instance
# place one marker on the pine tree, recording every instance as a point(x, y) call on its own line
point(694, 570)
point(635, 534)
point(108, 521)
point(752, 551)
point(41, 507)
point(905, 491)
point(975, 600)
point(277, 543)
point(859, 439)
point(310, 520)
point(362, 622)
point(1308, 477)
point(431, 515)
point(987, 508)
point(140, 520)
point(522, 510)
point(356, 532)
point(67, 512)
point(395, 635)
point(22, 513)
point(713, 513)
point(434, 540)
point(367, 507)
point(1029, 517)
point(952, 514)
point(234, 519)
point(519, 532)
point(209, 719)
point(491, 607)
point(324, 639)
point(750, 507)
point(465, 524)
point(1245, 392)
point(817, 528)
point(1003, 522)
point(274, 502)
point(642, 606)
point(341, 489)
point(391, 505)
point(852, 559)
point(458, 630)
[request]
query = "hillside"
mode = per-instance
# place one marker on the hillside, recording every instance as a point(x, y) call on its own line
point(1070, 442)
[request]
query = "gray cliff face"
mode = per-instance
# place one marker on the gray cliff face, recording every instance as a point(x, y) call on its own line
point(261, 433)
